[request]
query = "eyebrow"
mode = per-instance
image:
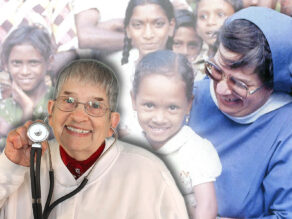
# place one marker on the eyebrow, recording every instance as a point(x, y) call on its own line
point(70, 93)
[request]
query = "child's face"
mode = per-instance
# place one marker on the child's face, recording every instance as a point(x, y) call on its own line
point(149, 28)
point(210, 17)
point(26, 66)
point(187, 42)
point(161, 105)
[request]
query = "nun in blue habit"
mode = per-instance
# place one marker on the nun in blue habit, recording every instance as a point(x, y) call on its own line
point(245, 110)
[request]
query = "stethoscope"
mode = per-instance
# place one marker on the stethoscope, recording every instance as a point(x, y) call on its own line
point(38, 132)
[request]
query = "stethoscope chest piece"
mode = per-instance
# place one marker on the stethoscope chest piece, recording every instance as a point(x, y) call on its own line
point(38, 132)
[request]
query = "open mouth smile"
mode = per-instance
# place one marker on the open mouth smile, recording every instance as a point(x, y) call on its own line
point(77, 130)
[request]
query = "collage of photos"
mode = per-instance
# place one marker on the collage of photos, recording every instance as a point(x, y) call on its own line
point(141, 109)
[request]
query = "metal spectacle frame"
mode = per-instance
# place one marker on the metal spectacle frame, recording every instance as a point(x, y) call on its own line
point(230, 80)
point(76, 103)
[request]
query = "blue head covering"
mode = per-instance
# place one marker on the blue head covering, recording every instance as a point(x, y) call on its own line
point(277, 29)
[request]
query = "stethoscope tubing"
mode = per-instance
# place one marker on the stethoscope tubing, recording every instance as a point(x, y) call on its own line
point(35, 154)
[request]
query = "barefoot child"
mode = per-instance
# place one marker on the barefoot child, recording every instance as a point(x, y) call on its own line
point(162, 97)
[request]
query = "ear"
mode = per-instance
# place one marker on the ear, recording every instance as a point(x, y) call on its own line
point(171, 27)
point(134, 105)
point(51, 105)
point(115, 118)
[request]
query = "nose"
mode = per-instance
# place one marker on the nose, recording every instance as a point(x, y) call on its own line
point(184, 50)
point(222, 88)
point(159, 117)
point(79, 114)
point(148, 32)
point(25, 69)
point(211, 19)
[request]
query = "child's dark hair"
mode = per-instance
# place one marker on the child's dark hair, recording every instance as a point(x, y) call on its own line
point(184, 18)
point(168, 63)
point(167, 7)
point(236, 4)
point(36, 36)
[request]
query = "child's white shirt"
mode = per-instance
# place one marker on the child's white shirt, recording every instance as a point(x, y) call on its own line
point(192, 161)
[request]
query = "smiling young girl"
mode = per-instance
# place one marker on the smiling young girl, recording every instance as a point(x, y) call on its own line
point(162, 97)
point(26, 54)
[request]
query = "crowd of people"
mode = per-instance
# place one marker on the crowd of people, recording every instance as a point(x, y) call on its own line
point(205, 85)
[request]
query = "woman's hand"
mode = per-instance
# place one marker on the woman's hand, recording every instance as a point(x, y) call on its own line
point(18, 145)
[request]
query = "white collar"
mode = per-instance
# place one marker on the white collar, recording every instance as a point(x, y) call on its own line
point(275, 101)
point(177, 141)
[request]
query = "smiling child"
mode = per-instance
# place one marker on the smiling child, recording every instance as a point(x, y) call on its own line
point(26, 54)
point(162, 97)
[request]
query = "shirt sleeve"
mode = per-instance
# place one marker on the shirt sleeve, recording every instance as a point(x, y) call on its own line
point(82, 5)
point(204, 162)
point(11, 177)
point(277, 183)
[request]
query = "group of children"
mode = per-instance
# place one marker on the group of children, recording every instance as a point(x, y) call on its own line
point(157, 86)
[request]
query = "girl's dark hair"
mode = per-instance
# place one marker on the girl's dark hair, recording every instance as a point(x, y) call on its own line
point(244, 37)
point(167, 7)
point(168, 63)
point(36, 36)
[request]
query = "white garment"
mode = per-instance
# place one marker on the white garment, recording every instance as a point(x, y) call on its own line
point(126, 183)
point(192, 161)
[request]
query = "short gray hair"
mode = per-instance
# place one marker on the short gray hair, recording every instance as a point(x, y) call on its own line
point(94, 72)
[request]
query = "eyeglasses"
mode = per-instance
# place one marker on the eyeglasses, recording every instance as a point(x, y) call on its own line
point(238, 87)
point(92, 107)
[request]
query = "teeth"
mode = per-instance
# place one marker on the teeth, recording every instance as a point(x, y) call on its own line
point(230, 100)
point(81, 131)
point(26, 80)
point(211, 34)
point(158, 129)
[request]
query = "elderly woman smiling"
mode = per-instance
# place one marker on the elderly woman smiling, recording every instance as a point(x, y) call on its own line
point(123, 181)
